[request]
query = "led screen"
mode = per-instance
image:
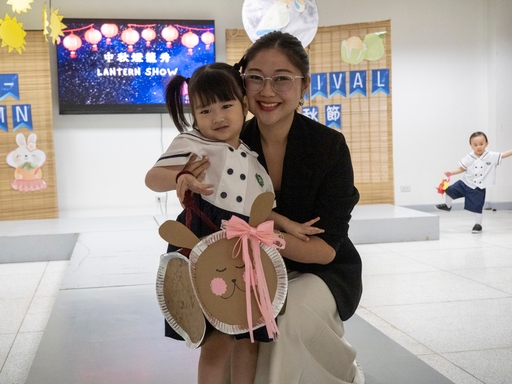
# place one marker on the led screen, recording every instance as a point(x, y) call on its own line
point(122, 66)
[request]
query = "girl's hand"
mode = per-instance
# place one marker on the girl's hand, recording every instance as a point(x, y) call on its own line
point(448, 174)
point(187, 182)
point(302, 231)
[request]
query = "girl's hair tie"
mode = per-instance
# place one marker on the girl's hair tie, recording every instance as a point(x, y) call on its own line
point(184, 172)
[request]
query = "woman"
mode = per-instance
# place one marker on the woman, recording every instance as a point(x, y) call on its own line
point(312, 174)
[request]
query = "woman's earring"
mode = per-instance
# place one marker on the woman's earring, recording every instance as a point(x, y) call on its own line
point(301, 102)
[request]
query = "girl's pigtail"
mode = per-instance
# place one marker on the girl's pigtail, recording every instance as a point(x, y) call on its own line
point(174, 102)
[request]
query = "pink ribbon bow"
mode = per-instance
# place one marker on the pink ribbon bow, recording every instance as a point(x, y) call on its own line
point(254, 274)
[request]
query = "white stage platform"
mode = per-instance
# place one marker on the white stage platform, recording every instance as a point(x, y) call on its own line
point(386, 223)
point(379, 223)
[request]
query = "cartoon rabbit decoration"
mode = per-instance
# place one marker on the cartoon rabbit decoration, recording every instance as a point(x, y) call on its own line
point(27, 161)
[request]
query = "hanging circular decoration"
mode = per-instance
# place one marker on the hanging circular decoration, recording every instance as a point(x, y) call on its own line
point(109, 31)
point(190, 40)
point(297, 17)
point(130, 36)
point(72, 42)
point(148, 34)
point(93, 37)
point(170, 34)
point(208, 38)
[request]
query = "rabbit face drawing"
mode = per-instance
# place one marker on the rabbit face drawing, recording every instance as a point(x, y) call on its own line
point(219, 280)
point(27, 161)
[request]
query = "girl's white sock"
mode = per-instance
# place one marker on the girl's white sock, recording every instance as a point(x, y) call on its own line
point(479, 217)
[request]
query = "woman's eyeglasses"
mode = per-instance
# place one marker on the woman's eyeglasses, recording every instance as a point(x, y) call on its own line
point(279, 83)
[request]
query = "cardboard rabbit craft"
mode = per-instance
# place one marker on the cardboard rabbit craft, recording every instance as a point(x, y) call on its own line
point(235, 278)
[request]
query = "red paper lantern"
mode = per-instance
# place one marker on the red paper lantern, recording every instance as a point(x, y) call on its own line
point(72, 42)
point(109, 31)
point(148, 34)
point(208, 38)
point(170, 34)
point(93, 36)
point(130, 36)
point(190, 40)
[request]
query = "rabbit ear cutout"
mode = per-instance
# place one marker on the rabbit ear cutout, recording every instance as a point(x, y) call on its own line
point(261, 208)
point(20, 140)
point(177, 234)
point(32, 138)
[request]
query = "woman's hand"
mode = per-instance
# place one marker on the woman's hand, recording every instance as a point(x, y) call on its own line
point(304, 230)
point(300, 246)
point(197, 168)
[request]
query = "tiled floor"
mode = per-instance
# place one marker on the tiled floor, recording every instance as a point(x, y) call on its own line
point(447, 301)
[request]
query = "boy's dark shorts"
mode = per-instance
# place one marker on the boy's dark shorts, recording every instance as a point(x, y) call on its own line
point(474, 199)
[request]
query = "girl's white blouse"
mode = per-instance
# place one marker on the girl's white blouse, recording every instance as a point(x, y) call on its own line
point(236, 174)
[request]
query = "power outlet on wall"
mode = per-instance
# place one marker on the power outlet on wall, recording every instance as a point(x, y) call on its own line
point(160, 199)
point(405, 188)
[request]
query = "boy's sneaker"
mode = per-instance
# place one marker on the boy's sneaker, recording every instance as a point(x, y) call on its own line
point(477, 228)
point(443, 207)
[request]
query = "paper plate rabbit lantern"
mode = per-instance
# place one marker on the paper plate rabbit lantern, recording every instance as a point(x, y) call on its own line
point(235, 278)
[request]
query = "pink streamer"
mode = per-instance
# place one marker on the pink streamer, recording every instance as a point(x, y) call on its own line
point(255, 276)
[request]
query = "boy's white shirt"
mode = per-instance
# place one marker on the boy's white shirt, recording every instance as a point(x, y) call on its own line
point(480, 171)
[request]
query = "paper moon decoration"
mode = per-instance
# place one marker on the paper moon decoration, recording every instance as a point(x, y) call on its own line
point(297, 17)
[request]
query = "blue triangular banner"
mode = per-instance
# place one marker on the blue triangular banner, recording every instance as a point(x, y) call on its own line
point(9, 86)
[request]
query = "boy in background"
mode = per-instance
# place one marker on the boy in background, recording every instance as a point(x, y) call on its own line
point(479, 169)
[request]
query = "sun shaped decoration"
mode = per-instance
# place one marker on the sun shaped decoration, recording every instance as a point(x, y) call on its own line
point(20, 5)
point(56, 26)
point(45, 22)
point(12, 34)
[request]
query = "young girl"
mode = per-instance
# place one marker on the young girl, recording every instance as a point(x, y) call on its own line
point(479, 169)
point(218, 107)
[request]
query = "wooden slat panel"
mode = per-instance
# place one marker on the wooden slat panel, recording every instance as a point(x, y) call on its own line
point(33, 69)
